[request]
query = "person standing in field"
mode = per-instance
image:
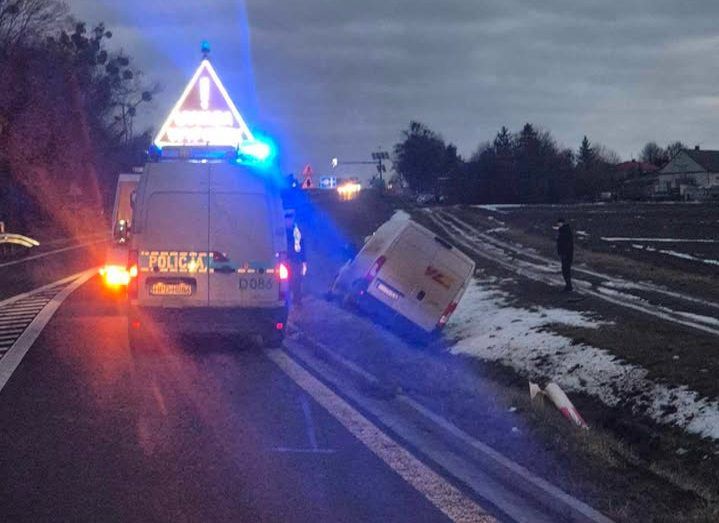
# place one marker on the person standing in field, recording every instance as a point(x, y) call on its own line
point(565, 249)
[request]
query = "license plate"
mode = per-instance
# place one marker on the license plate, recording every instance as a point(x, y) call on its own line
point(162, 288)
point(257, 284)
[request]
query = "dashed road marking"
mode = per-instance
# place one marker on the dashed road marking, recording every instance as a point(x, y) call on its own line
point(23, 317)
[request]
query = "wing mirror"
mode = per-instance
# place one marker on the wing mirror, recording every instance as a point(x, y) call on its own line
point(121, 231)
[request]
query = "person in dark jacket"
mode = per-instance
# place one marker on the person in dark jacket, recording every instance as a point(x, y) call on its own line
point(296, 257)
point(565, 249)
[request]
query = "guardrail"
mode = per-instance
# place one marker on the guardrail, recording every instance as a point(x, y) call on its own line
point(18, 239)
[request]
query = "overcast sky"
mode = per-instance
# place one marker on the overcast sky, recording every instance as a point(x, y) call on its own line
point(340, 78)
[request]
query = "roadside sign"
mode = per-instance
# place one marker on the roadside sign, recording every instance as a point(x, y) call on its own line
point(328, 182)
point(307, 173)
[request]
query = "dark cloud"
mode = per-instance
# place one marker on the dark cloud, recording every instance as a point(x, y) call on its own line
point(334, 78)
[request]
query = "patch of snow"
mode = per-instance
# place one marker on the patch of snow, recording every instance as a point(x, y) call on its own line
point(488, 328)
point(499, 222)
point(689, 257)
point(498, 207)
point(658, 240)
point(682, 255)
point(400, 215)
point(497, 229)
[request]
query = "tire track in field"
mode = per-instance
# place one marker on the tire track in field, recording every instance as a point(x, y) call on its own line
point(502, 253)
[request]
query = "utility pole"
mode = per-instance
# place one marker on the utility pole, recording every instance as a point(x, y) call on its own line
point(377, 159)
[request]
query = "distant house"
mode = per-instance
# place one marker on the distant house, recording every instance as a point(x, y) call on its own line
point(692, 174)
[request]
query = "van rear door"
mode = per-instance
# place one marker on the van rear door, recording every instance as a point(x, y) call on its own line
point(444, 279)
point(421, 276)
point(400, 278)
point(172, 243)
point(241, 240)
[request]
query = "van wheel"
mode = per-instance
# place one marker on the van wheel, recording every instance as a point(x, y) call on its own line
point(351, 298)
point(273, 340)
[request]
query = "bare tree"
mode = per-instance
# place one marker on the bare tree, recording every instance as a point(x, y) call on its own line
point(27, 21)
point(673, 149)
point(654, 154)
point(606, 155)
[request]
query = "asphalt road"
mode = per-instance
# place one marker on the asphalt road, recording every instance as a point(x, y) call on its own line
point(193, 430)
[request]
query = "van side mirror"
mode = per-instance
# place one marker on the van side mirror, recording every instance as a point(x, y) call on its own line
point(121, 231)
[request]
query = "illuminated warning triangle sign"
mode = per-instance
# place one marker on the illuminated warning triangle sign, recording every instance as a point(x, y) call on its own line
point(204, 115)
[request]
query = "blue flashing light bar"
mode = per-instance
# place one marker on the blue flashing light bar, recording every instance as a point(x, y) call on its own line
point(259, 151)
point(251, 152)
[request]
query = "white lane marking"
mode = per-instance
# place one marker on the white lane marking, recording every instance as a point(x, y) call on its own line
point(8, 333)
point(35, 301)
point(50, 253)
point(19, 319)
point(41, 291)
point(23, 308)
point(22, 324)
point(17, 315)
point(4, 318)
point(447, 498)
point(309, 424)
point(16, 353)
point(291, 450)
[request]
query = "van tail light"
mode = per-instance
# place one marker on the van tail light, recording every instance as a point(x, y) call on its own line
point(446, 314)
point(283, 276)
point(283, 272)
point(374, 270)
point(132, 261)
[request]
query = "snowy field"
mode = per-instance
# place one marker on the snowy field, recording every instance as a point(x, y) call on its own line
point(487, 327)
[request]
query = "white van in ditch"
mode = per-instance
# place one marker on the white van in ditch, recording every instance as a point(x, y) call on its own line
point(406, 271)
point(209, 246)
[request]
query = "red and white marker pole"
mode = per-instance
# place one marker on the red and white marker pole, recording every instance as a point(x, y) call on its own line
point(562, 402)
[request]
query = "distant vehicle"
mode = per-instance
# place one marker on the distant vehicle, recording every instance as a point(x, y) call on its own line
point(404, 270)
point(425, 198)
point(209, 246)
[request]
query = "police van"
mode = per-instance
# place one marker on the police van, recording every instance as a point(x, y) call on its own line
point(406, 272)
point(209, 249)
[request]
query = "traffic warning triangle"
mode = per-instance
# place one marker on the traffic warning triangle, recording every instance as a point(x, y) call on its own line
point(307, 173)
point(204, 115)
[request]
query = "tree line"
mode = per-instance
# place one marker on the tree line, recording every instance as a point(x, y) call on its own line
point(67, 110)
point(526, 166)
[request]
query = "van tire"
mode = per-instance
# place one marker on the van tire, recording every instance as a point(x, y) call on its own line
point(351, 299)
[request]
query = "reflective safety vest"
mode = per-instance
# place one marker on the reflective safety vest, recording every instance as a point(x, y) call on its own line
point(297, 236)
point(295, 245)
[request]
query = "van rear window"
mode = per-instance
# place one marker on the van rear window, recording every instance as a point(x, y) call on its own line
point(177, 220)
